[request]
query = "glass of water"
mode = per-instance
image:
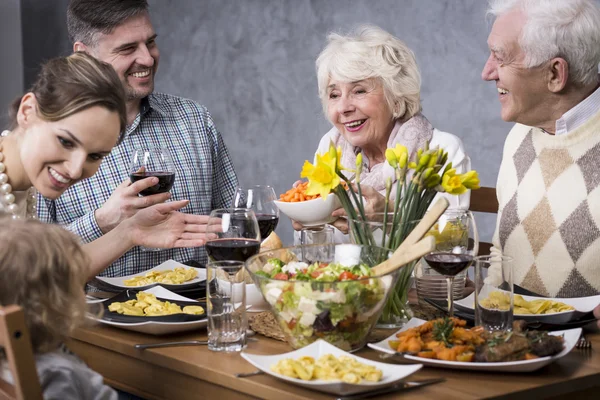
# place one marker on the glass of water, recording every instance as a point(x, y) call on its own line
point(494, 293)
point(226, 303)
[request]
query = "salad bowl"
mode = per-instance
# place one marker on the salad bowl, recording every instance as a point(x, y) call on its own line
point(324, 291)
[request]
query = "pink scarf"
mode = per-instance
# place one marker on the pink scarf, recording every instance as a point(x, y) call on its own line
point(413, 134)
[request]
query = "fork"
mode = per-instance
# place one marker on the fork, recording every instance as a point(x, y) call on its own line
point(583, 343)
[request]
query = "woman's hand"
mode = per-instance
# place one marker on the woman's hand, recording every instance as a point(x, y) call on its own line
point(164, 227)
point(373, 200)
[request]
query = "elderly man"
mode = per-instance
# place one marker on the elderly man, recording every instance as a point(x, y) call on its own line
point(120, 33)
point(544, 59)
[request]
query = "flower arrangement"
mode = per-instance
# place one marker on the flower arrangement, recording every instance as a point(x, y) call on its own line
point(417, 183)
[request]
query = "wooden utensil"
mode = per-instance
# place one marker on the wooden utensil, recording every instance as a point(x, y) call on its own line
point(400, 258)
point(430, 218)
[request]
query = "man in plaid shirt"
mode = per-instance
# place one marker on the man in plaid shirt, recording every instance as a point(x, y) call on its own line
point(120, 32)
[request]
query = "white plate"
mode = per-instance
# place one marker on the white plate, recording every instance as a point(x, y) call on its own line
point(391, 372)
point(155, 327)
point(571, 336)
point(169, 264)
point(582, 306)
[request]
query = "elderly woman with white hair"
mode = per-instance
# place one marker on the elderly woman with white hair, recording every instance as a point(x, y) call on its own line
point(370, 87)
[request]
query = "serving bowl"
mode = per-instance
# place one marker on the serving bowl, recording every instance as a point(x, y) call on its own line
point(313, 212)
point(340, 312)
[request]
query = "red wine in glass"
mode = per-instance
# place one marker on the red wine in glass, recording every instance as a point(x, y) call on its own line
point(266, 224)
point(227, 249)
point(165, 181)
point(449, 264)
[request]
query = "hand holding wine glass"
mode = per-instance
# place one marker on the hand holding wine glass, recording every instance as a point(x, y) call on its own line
point(457, 243)
point(232, 234)
point(156, 163)
point(260, 199)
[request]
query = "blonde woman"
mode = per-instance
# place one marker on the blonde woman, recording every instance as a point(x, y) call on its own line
point(50, 292)
point(61, 130)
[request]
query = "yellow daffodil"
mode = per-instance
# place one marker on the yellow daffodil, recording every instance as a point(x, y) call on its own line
point(322, 176)
point(470, 179)
point(391, 158)
point(458, 184)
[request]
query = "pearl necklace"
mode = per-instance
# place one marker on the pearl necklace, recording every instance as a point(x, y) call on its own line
point(8, 198)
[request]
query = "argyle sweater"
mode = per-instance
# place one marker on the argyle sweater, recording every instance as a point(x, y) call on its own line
point(549, 217)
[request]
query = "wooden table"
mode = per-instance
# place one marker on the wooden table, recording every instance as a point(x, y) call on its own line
point(194, 372)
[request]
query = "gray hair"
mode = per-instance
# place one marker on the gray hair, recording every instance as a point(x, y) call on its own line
point(569, 29)
point(86, 18)
point(372, 52)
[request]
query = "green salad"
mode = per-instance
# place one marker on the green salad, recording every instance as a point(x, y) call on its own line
point(327, 301)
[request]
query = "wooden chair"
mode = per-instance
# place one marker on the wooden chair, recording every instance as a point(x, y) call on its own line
point(15, 340)
point(484, 200)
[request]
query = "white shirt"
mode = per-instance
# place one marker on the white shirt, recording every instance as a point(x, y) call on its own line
point(579, 114)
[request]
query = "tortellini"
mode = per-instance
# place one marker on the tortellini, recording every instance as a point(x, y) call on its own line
point(147, 305)
point(328, 367)
point(501, 301)
point(171, 277)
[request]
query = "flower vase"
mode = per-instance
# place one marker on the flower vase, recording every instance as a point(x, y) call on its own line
point(370, 231)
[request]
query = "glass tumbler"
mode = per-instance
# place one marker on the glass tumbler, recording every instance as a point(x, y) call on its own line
point(494, 293)
point(226, 303)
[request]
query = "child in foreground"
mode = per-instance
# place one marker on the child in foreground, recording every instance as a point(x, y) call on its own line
point(44, 270)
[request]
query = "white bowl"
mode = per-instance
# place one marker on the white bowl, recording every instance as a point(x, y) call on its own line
point(311, 212)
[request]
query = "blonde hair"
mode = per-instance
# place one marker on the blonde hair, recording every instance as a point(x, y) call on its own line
point(68, 85)
point(43, 270)
point(372, 52)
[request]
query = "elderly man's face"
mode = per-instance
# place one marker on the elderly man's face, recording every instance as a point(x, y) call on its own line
point(523, 92)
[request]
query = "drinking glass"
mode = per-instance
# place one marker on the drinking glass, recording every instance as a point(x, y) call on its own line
point(226, 303)
point(457, 243)
point(153, 162)
point(232, 234)
point(317, 235)
point(494, 292)
point(261, 200)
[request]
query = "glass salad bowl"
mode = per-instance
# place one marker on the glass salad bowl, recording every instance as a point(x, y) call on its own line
point(324, 291)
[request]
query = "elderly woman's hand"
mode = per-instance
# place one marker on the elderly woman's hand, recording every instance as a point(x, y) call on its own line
point(373, 200)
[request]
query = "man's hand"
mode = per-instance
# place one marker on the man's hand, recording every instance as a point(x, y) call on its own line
point(125, 202)
point(164, 227)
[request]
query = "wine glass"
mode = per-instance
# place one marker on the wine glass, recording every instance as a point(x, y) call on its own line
point(232, 234)
point(260, 199)
point(153, 162)
point(457, 243)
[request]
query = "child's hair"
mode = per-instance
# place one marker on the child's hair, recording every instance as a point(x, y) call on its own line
point(43, 269)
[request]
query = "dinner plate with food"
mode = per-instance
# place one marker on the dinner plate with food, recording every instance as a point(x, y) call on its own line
point(170, 274)
point(156, 311)
point(531, 308)
point(322, 366)
point(448, 343)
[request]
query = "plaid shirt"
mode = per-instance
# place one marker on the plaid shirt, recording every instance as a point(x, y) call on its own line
point(204, 175)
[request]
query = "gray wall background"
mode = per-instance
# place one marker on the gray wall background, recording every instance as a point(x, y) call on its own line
point(251, 62)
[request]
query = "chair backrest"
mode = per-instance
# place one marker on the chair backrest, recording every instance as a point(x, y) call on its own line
point(484, 200)
point(15, 340)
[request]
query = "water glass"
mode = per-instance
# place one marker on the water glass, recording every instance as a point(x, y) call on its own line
point(317, 236)
point(226, 303)
point(494, 293)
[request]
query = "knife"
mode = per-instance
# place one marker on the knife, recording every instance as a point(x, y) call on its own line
point(398, 387)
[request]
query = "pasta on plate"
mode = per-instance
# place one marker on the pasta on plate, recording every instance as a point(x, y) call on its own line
point(328, 367)
point(175, 276)
point(501, 301)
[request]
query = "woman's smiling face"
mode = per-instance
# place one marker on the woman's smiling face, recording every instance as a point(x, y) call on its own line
point(55, 155)
point(360, 112)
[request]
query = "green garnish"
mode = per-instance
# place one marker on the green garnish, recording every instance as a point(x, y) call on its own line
point(442, 330)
